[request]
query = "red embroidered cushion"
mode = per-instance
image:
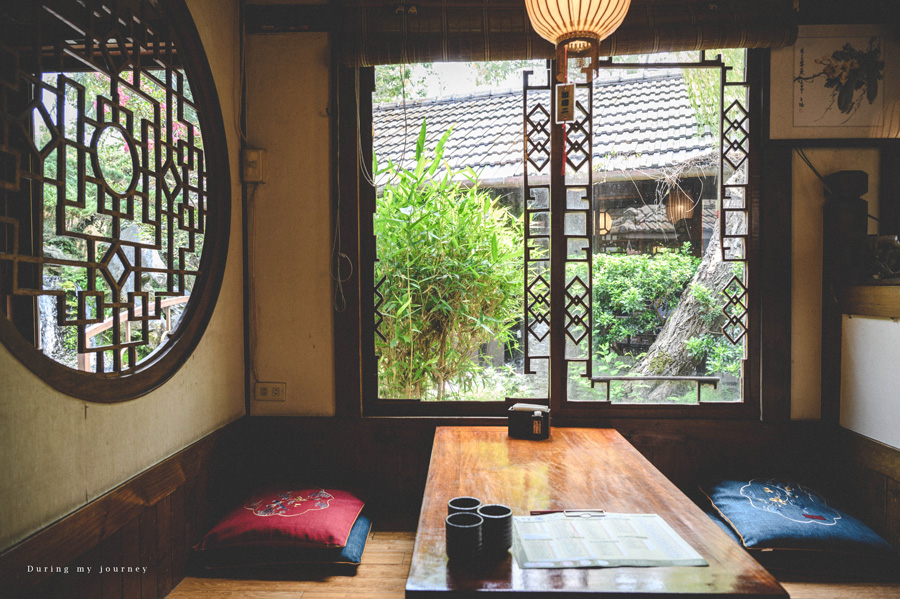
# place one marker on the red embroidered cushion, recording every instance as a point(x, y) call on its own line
point(288, 518)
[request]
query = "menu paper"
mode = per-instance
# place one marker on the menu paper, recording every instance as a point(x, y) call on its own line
point(599, 540)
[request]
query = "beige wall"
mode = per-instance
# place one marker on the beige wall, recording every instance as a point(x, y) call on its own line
point(58, 453)
point(290, 221)
point(806, 264)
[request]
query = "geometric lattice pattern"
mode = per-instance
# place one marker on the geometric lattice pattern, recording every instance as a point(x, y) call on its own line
point(536, 216)
point(111, 161)
point(537, 308)
point(537, 137)
point(379, 317)
point(735, 135)
point(734, 217)
point(575, 199)
point(735, 310)
point(578, 138)
point(578, 310)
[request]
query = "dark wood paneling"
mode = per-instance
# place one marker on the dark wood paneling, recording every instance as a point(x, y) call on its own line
point(889, 194)
point(178, 531)
point(164, 546)
point(869, 477)
point(148, 553)
point(61, 587)
point(131, 557)
point(892, 526)
point(110, 561)
point(84, 570)
point(387, 458)
point(141, 523)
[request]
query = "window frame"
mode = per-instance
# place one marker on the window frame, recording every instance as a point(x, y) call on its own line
point(356, 372)
point(171, 356)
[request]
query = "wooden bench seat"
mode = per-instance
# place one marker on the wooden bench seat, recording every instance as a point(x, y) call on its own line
point(385, 565)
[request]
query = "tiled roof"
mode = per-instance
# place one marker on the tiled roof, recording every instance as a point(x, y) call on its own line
point(639, 124)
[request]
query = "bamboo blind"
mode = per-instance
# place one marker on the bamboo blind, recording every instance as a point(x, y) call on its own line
point(381, 32)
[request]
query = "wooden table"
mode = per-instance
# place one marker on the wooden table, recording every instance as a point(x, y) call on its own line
point(575, 468)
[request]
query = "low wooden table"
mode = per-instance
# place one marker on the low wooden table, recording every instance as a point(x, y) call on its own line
point(575, 468)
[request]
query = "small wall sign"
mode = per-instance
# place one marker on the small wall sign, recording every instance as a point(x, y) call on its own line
point(565, 102)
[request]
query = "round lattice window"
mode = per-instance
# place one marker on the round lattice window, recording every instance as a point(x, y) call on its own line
point(114, 192)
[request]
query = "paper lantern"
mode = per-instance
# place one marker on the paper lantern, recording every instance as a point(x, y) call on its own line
point(679, 205)
point(577, 24)
point(603, 223)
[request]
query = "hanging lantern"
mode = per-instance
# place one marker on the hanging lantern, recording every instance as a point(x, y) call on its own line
point(602, 223)
point(679, 205)
point(577, 25)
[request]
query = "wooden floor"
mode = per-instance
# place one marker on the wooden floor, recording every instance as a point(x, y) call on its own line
point(385, 564)
point(381, 575)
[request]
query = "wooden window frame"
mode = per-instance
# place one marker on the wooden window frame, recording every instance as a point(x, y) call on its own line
point(767, 379)
point(155, 371)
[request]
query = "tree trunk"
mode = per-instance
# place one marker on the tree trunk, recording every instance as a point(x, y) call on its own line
point(668, 356)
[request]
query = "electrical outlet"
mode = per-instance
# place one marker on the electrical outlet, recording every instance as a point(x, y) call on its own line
point(253, 165)
point(270, 391)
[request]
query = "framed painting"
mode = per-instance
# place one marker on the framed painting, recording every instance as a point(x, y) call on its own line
point(836, 81)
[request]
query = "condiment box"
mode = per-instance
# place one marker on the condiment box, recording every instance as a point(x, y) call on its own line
point(529, 421)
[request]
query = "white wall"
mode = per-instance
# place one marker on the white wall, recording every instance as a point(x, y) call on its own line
point(58, 453)
point(870, 378)
point(290, 221)
point(806, 265)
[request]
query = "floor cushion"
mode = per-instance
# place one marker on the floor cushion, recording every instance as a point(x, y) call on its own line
point(247, 557)
point(285, 525)
point(788, 526)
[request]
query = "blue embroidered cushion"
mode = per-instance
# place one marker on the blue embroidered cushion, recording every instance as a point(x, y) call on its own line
point(789, 526)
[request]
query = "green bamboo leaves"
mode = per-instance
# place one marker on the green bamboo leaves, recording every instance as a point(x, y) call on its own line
point(451, 258)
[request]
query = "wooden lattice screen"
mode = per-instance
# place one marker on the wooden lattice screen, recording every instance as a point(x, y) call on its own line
point(104, 186)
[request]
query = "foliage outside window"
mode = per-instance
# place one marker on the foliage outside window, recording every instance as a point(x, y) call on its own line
point(448, 262)
point(658, 308)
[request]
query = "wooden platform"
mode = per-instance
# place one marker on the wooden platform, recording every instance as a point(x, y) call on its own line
point(382, 575)
point(385, 564)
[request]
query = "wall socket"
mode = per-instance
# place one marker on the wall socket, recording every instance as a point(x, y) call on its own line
point(270, 391)
point(252, 167)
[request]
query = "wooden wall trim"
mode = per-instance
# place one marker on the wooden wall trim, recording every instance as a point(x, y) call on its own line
point(882, 301)
point(876, 456)
point(161, 495)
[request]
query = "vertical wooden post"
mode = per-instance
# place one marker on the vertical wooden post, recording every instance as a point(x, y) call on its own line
point(558, 248)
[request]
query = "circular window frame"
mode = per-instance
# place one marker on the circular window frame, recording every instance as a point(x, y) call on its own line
point(183, 340)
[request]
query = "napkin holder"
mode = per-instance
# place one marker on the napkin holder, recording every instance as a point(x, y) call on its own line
point(529, 421)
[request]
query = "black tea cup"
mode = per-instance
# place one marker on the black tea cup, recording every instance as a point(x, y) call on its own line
point(496, 531)
point(463, 536)
point(463, 504)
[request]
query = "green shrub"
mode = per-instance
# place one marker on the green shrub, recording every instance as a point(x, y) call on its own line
point(635, 293)
point(451, 262)
point(716, 354)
